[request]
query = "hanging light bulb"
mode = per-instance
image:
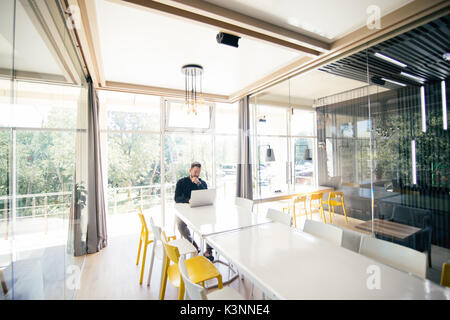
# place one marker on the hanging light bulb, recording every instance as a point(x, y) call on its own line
point(193, 74)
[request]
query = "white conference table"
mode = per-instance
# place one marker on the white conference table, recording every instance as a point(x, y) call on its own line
point(290, 264)
point(218, 218)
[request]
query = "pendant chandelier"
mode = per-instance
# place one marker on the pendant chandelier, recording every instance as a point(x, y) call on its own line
point(193, 94)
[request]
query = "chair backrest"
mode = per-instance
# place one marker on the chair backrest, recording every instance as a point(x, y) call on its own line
point(245, 203)
point(327, 232)
point(351, 239)
point(300, 198)
point(156, 230)
point(171, 251)
point(336, 195)
point(142, 218)
point(279, 216)
point(193, 290)
point(316, 196)
point(394, 255)
point(416, 217)
point(445, 276)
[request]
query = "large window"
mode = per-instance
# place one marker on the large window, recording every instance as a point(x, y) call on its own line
point(149, 143)
point(131, 145)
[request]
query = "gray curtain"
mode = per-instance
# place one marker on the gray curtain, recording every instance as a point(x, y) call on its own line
point(96, 238)
point(244, 167)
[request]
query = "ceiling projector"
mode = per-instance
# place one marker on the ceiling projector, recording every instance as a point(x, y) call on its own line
point(228, 39)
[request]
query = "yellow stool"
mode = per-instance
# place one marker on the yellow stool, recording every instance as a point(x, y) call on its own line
point(445, 276)
point(199, 270)
point(336, 199)
point(317, 196)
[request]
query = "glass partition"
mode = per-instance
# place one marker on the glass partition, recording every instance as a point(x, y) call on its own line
point(43, 97)
point(374, 144)
point(6, 138)
point(386, 146)
point(411, 154)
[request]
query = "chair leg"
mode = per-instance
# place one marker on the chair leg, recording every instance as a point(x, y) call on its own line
point(219, 279)
point(152, 261)
point(306, 211)
point(345, 213)
point(181, 289)
point(294, 217)
point(139, 251)
point(3, 282)
point(332, 210)
point(429, 258)
point(162, 290)
point(144, 255)
point(322, 212)
point(310, 209)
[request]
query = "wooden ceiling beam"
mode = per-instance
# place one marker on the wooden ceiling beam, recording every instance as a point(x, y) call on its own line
point(222, 25)
point(158, 91)
point(216, 12)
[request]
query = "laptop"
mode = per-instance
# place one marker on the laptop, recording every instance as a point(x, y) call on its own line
point(203, 197)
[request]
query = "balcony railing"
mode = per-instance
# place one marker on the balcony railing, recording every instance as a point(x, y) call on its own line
point(57, 204)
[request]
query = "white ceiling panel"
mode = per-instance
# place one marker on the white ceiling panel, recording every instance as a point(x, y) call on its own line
point(326, 20)
point(148, 48)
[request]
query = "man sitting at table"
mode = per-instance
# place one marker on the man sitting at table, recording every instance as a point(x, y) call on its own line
point(183, 195)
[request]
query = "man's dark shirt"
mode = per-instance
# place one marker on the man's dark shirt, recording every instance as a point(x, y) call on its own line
point(184, 188)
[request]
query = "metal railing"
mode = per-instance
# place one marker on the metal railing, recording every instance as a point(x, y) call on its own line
point(45, 205)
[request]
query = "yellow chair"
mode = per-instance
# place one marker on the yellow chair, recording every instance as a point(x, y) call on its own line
point(317, 196)
point(445, 276)
point(199, 270)
point(336, 199)
point(299, 199)
point(146, 237)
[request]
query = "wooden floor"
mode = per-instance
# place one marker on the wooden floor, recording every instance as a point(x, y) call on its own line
point(112, 273)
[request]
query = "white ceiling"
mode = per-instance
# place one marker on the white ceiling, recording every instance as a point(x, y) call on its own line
point(28, 43)
point(305, 88)
point(147, 48)
point(325, 20)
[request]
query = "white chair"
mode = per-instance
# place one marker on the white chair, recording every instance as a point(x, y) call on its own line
point(196, 292)
point(184, 247)
point(245, 203)
point(394, 255)
point(350, 239)
point(279, 216)
point(324, 231)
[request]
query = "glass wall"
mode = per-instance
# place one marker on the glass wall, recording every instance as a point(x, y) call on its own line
point(42, 102)
point(381, 121)
point(386, 146)
point(288, 132)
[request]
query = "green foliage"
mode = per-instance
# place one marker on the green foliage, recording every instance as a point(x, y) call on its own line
point(80, 195)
